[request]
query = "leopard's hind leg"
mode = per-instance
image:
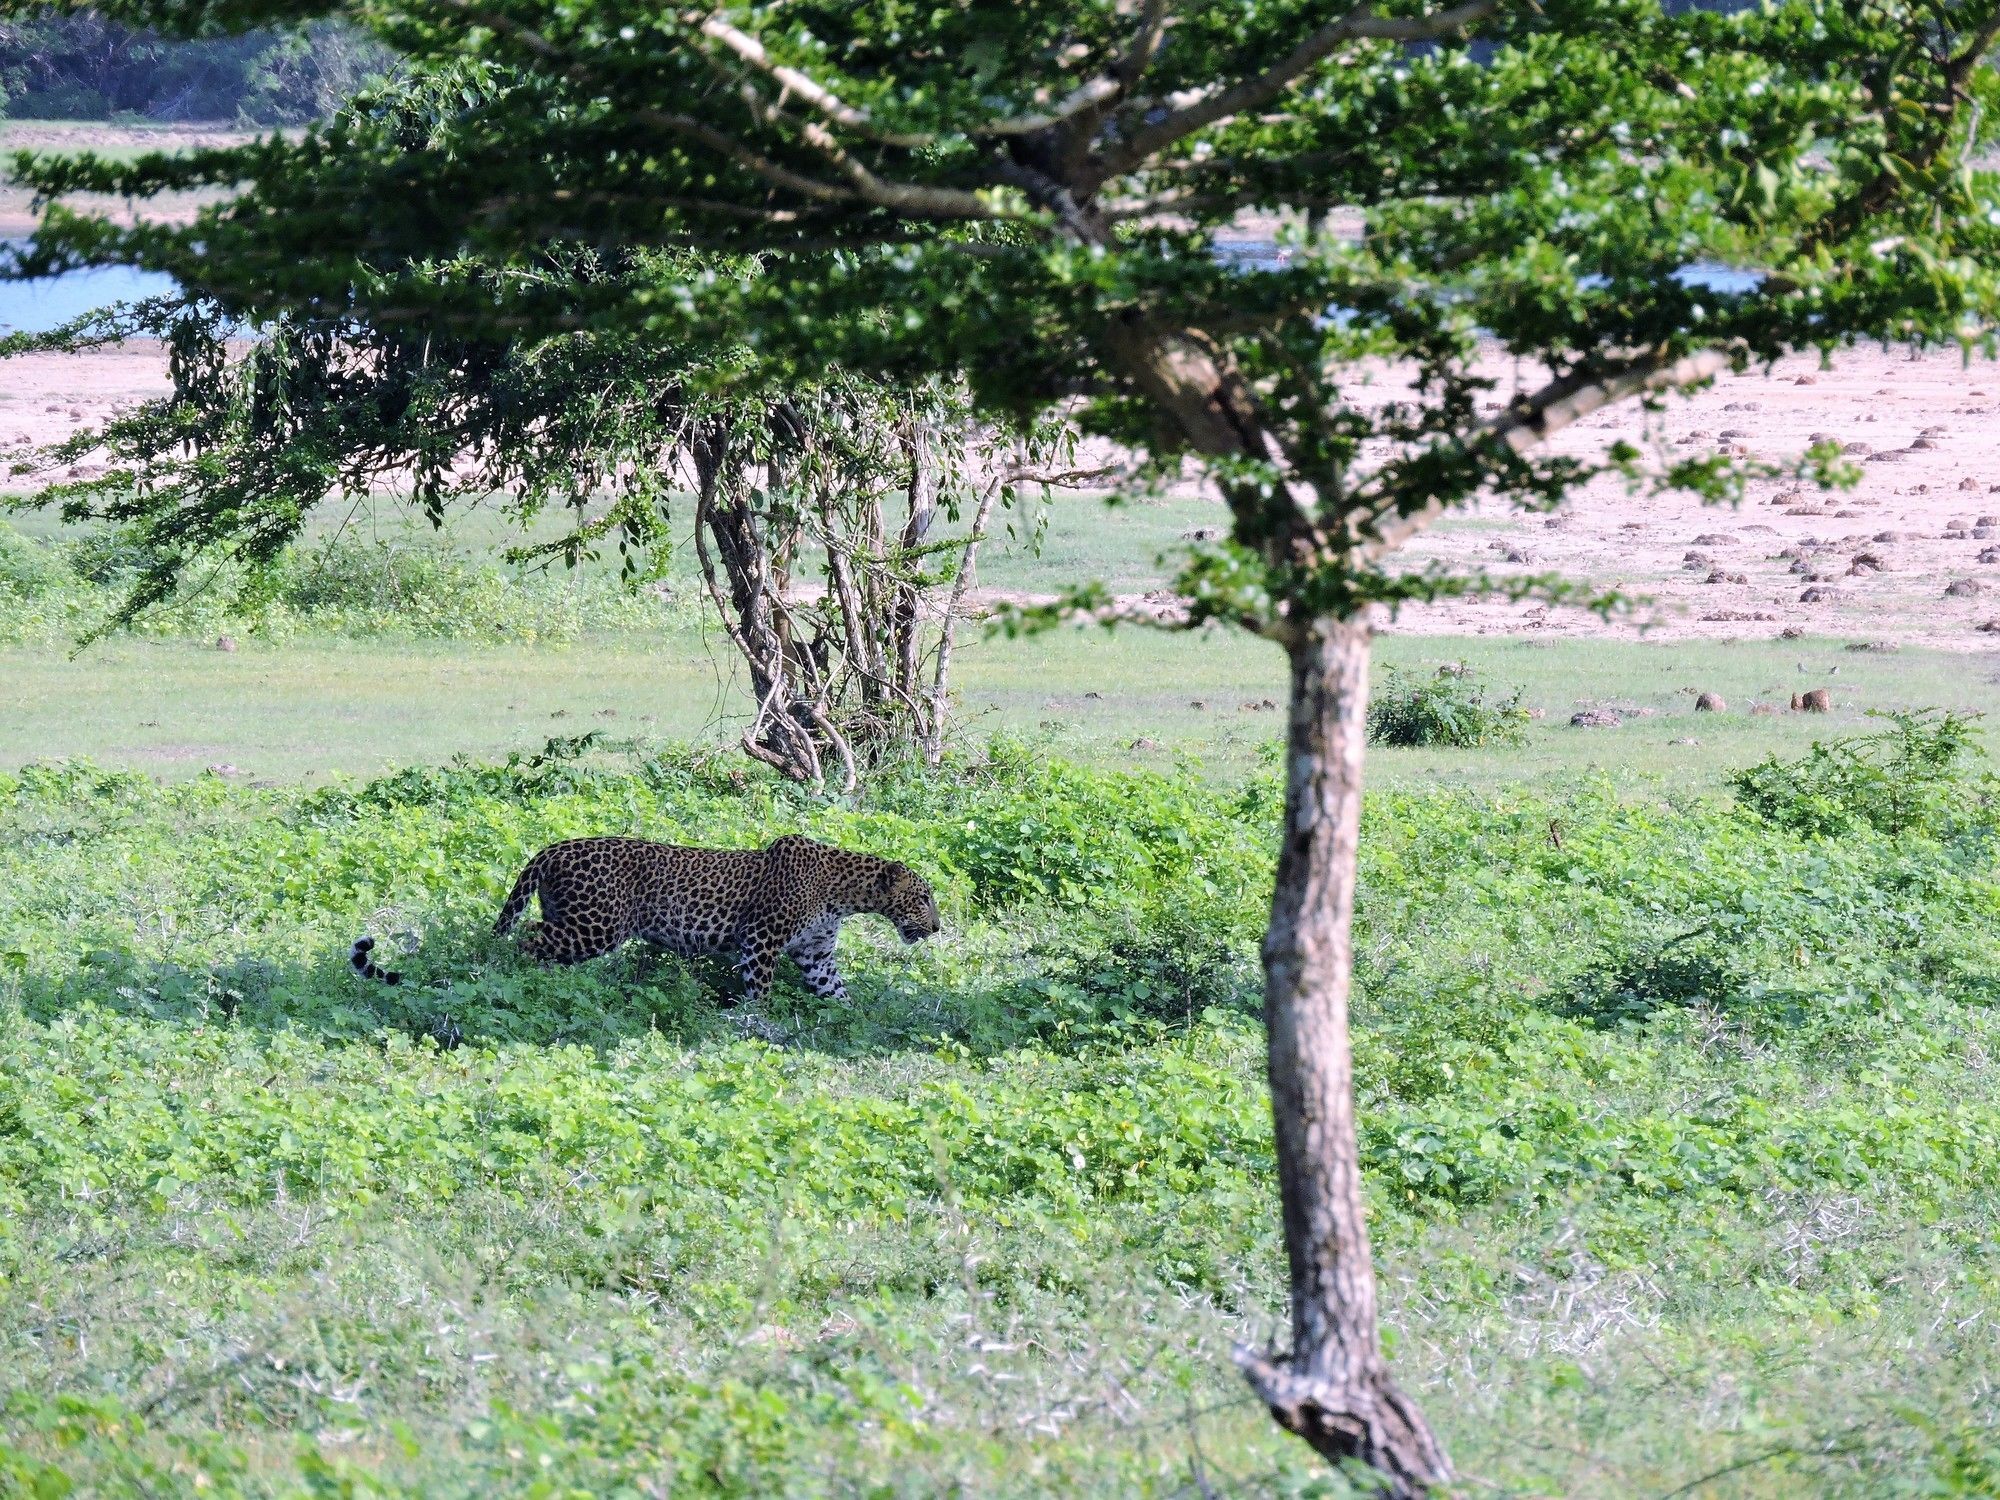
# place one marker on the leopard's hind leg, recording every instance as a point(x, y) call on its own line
point(561, 942)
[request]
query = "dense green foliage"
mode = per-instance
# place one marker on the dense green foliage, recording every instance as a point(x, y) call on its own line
point(1033, 196)
point(1680, 1092)
point(1448, 708)
point(72, 64)
point(1923, 775)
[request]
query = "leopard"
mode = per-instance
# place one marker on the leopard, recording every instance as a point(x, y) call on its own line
point(787, 899)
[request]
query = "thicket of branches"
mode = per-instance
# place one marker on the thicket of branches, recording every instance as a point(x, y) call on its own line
point(836, 525)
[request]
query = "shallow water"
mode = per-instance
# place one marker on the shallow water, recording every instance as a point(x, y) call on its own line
point(38, 306)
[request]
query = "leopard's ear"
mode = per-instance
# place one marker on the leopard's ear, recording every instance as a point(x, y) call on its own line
point(891, 872)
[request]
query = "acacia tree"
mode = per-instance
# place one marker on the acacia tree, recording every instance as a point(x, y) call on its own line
point(1032, 194)
point(812, 515)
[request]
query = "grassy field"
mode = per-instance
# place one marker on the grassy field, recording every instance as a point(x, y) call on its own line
point(1678, 1107)
point(306, 710)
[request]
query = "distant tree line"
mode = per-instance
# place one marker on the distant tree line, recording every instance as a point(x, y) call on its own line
point(78, 65)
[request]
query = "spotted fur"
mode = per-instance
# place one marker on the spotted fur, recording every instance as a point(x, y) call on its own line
point(366, 967)
point(789, 899)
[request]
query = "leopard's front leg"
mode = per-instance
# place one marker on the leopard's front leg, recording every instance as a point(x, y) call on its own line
point(813, 951)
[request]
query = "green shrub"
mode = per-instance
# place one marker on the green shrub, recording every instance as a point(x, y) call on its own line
point(1916, 777)
point(28, 570)
point(1446, 711)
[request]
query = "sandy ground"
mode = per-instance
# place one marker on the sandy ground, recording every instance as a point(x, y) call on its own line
point(17, 215)
point(1874, 563)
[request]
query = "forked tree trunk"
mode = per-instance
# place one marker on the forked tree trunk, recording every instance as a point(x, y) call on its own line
point(1334, 1388)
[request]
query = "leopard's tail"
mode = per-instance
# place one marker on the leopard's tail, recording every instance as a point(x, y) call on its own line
point(366, 967)
point(517, 899)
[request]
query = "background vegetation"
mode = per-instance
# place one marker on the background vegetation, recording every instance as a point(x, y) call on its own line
point(74, 64)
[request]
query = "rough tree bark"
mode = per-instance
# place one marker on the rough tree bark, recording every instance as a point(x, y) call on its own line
point(1334, 1388)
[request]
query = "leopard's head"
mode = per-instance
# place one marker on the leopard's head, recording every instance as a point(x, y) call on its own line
point(904, 897)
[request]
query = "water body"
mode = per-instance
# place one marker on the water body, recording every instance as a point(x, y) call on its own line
point(51, 301)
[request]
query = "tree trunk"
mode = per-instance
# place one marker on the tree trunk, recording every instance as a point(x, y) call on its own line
point(1333, 1388)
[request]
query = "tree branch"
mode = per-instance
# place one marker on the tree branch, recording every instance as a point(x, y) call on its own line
point(1359, 24)
point(816, 94)
point(1534, 419)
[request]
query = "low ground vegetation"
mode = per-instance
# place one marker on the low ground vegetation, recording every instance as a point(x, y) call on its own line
point(1671, 1106)
point(411, 586)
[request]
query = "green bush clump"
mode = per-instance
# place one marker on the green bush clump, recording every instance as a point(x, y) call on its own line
point(1449, 710)
point(1924, 775)
point(404, 588)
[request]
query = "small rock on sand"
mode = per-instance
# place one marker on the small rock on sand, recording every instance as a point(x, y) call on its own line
point(1709, 703)
point(1595, 718)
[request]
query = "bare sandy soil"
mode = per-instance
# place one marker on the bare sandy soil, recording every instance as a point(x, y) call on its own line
point(17, 215)
point(1910, 555)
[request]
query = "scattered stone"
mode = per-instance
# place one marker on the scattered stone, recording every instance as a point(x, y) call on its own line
point(1516, 555)
point(1143, 743)
point(1990, 555)
point(1968, 483)
point(1709, 703)
point(224, 768)
point(1201, 534)
point(1719, 576)
point(1861, 570)
point(1886, 456)
point(1963, 588)
point(1982, 533)
point(1845, 513)
point(1725, 616)
point(1714, 539)
point(1991, 627)
point(1791, 633)
point(607, 713)
point(1595, 718)
point(1805, 380)
point(1888, 536)
point(1856, 448)
point(1923, 442)
point(1093, 695)
point(1881, 648)
point(1813, 701)
point(1261, 706)
point(1198, 704)
point(1818, 596)
point(1987, 521)
point(1761, 709)
point(225, 643)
